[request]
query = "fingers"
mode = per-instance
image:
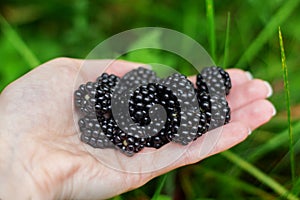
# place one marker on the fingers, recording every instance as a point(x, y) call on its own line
point(211, 143)
point(254, 114)
point(238, 77)
point(248, 92)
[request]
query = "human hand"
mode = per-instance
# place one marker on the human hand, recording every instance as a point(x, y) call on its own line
point(43, 158)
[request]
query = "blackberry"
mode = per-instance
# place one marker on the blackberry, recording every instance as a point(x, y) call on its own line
point(123, 92)
point(126, 143)
point(212, 85)
point(184, 90)
point(85, 97)
point(205, 111)
point(135, 78)
point(143, 99)
point(92, 133)
point(220, 111)
point(105, 88)
point(216, 110)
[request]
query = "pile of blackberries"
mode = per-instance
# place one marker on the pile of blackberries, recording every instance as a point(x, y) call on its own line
point(141, 110)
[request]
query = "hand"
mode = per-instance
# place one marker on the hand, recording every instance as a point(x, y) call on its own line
point(43, 158)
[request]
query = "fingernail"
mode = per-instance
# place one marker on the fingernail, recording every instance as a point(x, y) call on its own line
point(249, 75)
point(270, 90)
point(274, 111)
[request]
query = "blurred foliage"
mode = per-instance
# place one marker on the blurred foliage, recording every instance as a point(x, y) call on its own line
point(74, 27)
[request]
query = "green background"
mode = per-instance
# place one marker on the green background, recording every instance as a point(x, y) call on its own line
point(38, 31)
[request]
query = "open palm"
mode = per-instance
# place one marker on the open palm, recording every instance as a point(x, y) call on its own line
point(39, 135)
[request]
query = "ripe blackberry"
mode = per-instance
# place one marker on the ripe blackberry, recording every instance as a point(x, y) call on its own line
point(105, 88)
point(125, 142)
point(92, 133)
point(220, 111)
point(205, 108)
point(85, 97)
point(123, 92)
point(215, 108)
point(212, 85)
point(143, 99)
point(184, 90)
point(128, 144)
point(134, 79)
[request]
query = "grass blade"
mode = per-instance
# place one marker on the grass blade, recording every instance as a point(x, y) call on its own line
point(211, 22)
point(161, 183)
point(272, 144)
point(282, 14)
point(226, 46)
point(288, 105)
point(18, 43)
point(279, 189)
point(228, 179)
point(296, 188)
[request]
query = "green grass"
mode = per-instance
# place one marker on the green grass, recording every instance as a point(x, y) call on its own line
point(235, 33)
point(282, 14)
point(160, 186)
point(18, 43)
point(211, 24)
point(278, 188)
point(227, 179)
point(226, 44)
point(288, 105)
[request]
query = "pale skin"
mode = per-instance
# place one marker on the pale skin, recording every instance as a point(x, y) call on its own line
point(42, 157)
